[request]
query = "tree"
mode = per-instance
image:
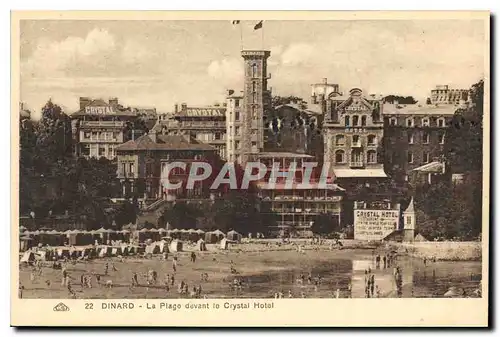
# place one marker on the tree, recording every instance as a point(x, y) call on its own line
point(181, 216)
point(325, 223)
point(237, 210)
point(392, 99)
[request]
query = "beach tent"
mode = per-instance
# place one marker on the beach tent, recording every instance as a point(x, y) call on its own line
point(200, 232)
point(234, 236)
point(211, 237)
point(201, 246)
point(163, 245)
point(154, 234)
point(124, 250)
point(220, 234)
point(28, 257)
point(24, 243)
point(143, 234)
point(184, 234)
point(175, 246)
point(224, 244)
point(192, 235)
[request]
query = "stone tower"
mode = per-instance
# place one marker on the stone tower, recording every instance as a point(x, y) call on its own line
point(256, 99)
point(409, 219)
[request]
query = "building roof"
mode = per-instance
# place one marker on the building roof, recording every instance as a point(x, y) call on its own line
point(411, 207)
point(432, 167)
point(283, 155)
point(264, 185)
point(207, 111)
point(362, 173)
point(164, 142)
point(419, 109)
point(114, 110)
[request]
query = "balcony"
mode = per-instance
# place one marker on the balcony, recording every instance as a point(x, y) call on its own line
point(356, 164)
point(92, 124)
point(356, 144)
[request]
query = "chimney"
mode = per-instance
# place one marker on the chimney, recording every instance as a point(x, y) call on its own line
point(113, 101)
point(84, 101)
point(325, 80)
point(152, 135)
point(176, 108)
point(183, 106)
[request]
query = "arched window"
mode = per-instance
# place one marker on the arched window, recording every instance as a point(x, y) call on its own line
point(339, 140)
point(254, 70)
point(363, 120)
point(339, 156)
point(371, 156)
point(372, 140)
point(347, 121)
point(409, 122)
point(355, 120)
point(440, 122)
point(425, 121)
point(393, 121)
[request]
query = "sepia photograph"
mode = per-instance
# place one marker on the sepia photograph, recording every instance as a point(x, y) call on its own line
point(247, 157)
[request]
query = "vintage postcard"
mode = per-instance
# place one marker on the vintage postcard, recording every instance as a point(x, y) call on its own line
point(250, 169)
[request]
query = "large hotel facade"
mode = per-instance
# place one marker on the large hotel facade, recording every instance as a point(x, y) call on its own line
point(365, 141)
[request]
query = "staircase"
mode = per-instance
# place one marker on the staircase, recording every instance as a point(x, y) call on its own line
point(154, 206)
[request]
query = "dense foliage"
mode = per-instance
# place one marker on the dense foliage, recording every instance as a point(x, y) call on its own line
point(53, 182)
point(454, 210)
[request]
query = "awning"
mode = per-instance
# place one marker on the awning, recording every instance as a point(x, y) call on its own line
point(363, 173)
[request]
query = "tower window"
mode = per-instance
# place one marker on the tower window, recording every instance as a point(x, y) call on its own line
point(236, 102)
point(254, 70)
point(372, 156)
point(410, 138)
point(253, 86)
point(426, 138)
point(236, 115)
point(347, 121)
point(339, 156)
point(372, 140)
point(441, 138)
point(339, 140)
point(363, 120)
point(355, 120)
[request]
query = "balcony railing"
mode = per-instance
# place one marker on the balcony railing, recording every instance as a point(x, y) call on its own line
point(102, 124)
point(356, 164)
point(356, 144)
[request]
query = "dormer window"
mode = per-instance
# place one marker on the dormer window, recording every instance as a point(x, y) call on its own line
point(425, 122)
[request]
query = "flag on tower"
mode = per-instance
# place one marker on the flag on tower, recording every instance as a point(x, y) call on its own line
point(236, 22)
point(258, 26)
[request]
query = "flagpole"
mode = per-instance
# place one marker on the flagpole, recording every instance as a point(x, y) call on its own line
point(241, 36)
point(262, 36)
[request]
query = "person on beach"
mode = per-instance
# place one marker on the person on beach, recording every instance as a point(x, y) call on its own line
point(349, 289)
point(82, 280)
point(64, 276)
point(372, 284)
point(135, 279)
point(377, 261)
point(174, 264)
point(425, 261)
point(384, 260)
point(193, 257)
point(106, 267)
point(21, 288)
point(337, 293)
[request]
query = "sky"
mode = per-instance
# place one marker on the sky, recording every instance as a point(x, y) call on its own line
point(160, 63)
